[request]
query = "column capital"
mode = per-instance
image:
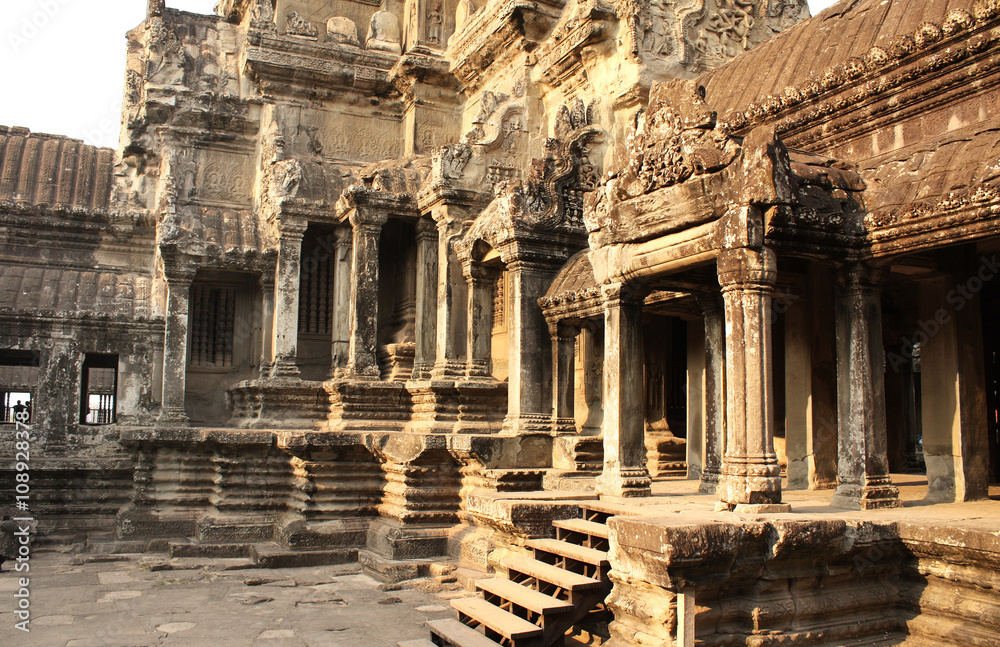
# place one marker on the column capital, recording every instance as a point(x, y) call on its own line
point(427, 229)
point(623, 294)
point(292, 227)
point(345, 237)
point(476, 272)
point(179, 276)
point(367, 217)
point(710, 303)
point(564, 331)
point(857, 275)
point(747, 267)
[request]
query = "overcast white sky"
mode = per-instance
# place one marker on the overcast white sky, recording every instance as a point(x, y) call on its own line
point(63, 63)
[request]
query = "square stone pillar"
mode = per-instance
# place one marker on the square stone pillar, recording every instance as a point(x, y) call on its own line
point(367, 225)
point(528, 360)
point(286, 298)
point(266, 323)
point(798, 392)
point(715, 391)
point(564, 338)
point(863, 467)
point(451, 291)
point(952, 384)
point(175, 348)
point(480, 281)
point(695, 402)
point(426, 299)
point(625, 473)
point(751, 477)
point(341, 344)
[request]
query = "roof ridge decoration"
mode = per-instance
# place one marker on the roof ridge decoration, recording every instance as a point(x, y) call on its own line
point(869, 73)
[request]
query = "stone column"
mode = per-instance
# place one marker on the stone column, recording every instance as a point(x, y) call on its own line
point(715, 391)
point(426, 301)
point(266, 323)
point(695, 401)
point(625, 473)
point(451, 288)
point(528, 360)
point(750, 473)
point(362, 361)
point(863, 467)
point(564, 338)
point(798, 395)
point(952, 383)
point(479, 330)
point(342, 301)
point(175, 350)
point(286, 298)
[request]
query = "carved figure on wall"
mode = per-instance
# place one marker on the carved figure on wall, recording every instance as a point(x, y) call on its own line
point(782, 14)
point(726, 33)
point(384, 33)
point(299, 26)
point(655, 27)
point(435, 22)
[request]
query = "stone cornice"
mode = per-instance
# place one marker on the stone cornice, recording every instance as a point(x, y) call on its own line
point(490, 33)
point(281, 61)
point(956, 217)
point(559, 57)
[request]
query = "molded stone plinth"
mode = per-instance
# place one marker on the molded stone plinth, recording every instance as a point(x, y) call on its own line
point(276, 403)
point(624, 483)
point(464, 406)
point(874, 495)
point(367, 405)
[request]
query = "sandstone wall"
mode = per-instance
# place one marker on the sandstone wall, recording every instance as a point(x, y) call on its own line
point(818, 582)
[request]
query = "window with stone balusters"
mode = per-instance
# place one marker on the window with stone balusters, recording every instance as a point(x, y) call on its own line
point(500, 303)
point(213, 321)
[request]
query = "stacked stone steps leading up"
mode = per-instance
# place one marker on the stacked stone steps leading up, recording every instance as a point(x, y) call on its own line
point(542, 596)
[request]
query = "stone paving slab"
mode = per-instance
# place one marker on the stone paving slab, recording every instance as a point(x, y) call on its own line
point(126, 604)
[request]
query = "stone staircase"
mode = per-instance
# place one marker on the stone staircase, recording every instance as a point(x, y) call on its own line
point(542, 597)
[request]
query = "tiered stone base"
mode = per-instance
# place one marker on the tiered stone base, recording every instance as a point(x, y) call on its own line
point(278, 403)
point(457, 406)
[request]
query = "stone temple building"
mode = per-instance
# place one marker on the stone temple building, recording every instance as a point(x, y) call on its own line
point(419, 281)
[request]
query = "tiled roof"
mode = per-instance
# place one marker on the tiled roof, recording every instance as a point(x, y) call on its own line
point(848, 29)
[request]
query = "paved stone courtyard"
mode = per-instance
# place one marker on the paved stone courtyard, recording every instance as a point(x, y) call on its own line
point(76, 603)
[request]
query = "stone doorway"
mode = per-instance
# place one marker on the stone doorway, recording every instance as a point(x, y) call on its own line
point(991, 348)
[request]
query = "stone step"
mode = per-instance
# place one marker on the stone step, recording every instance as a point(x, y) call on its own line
point(273, 556)
point(453, 633)
point(601, 511)
point(569, 551)
point(522, 596)
point(192, 549)
point(582, 526)
point(496, 619)
point(551, 574)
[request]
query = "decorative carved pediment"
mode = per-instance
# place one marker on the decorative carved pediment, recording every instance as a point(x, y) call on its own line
point(550, 198)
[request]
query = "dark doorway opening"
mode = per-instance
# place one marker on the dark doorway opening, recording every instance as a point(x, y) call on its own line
point(991, 347)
